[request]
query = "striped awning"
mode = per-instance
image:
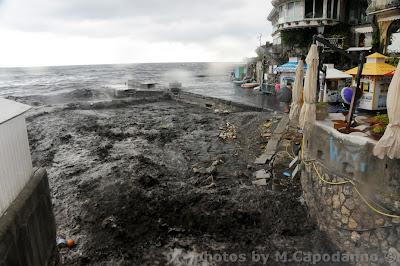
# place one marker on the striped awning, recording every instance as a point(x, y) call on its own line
point(289, 67)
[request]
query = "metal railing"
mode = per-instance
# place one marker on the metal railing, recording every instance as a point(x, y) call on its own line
point(338, 42)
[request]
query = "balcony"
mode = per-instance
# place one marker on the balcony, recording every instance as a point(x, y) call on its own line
point(382, 5)
point(338, 42)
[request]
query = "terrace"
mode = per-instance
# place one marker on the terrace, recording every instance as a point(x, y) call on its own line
point(288, 14)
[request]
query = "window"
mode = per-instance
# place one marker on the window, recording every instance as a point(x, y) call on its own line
point(314, 8)
point(335, 9)
point(309, 9)
point(291, 11)
point(319, 8)
point(329, 9)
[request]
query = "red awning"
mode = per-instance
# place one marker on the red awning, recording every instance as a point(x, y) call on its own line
point(390, 74)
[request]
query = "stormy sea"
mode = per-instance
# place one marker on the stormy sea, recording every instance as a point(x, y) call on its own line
point(209, 79)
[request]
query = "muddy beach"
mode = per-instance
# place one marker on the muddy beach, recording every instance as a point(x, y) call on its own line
point(151, 182)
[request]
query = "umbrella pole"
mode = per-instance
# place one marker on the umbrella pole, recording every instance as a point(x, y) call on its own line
point(356, 90)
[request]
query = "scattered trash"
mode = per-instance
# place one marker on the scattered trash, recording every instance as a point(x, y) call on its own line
point(228, 132)
point(209, 170)
point(295, 160)
point(221, 111)
point(217, 162)
point(295, 171)
point(70, 243)
point(262, 174)
point(287, 174)
point(109, 222)
point(61, 242)
point(260, 182)
point(267, 125)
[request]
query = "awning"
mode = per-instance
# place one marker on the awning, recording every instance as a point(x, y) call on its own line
point(390, 74)
point(333, 73)
point(289, 67)
point(367, 29)
point(358, 49)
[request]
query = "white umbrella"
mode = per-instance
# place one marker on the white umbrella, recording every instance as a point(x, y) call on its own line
point(389, 144)
point(308, 111)
point(297, 92)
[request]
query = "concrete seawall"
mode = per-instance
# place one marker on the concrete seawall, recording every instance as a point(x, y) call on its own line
point(340, 178)
point(27, 229)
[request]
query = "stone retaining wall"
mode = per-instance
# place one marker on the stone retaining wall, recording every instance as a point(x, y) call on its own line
point(339, 210)
point(27, 229)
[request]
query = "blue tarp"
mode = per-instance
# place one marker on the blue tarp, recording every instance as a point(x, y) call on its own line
point(289, 67)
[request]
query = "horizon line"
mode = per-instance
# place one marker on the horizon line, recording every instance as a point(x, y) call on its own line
point(105, 64)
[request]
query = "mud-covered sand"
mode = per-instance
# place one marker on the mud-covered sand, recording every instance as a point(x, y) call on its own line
point(146, 182)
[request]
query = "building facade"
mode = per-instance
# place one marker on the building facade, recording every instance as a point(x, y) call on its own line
point(387, 16)
point(323, 17)
point(304, 14)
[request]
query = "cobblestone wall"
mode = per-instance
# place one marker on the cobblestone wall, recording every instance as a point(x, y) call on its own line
point(336, 169)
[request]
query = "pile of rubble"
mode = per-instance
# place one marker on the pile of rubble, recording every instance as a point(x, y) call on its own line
point(228, 132)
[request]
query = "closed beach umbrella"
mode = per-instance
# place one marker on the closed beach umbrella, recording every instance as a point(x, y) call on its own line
point(308, 111)
point(297, 92)
point(389, 144)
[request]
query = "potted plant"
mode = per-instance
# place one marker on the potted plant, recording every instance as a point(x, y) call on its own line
point(379, 124)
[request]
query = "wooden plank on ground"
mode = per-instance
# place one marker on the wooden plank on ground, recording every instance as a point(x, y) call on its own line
point(273, 143)
point(280, 129)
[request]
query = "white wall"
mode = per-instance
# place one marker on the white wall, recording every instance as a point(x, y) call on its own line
point(15, 160)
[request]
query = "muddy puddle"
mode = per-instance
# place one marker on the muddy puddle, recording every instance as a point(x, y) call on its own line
point(152, 183)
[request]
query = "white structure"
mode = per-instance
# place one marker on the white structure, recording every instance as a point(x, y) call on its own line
point(15, 157)
point(335, 81)
point(292, 14)
point(321, 14)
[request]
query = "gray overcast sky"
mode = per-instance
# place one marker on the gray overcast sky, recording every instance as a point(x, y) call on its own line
point(62, 32)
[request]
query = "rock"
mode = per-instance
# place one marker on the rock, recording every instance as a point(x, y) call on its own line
point(345, 220)
point(374, 241)
point(336, 215)
point(355, 237)
point(342, 198)
point(394, 256)
point(262, 174)
point(380, 222)
point(381, 234)
point(217, 162)
point(336, 201)
point(260, 182)
point(365, 236)
point(211, 170)
point(349, 204)
point(345, 211)
point(109, 222)
point(348, 191)
point(352, 224)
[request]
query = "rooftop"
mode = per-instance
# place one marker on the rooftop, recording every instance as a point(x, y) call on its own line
point(10, 109)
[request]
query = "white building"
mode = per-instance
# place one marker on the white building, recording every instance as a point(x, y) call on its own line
point(320, 14)
point(15, 158)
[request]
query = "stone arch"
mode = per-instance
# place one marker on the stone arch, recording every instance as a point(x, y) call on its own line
point(393, 38)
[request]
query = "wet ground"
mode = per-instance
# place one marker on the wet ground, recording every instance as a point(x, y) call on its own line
point(151, 183)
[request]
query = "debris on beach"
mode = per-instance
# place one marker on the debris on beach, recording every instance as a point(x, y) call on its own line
point(132, 181)
point(228, 132)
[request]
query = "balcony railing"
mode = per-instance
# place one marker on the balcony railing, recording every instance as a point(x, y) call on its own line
point(338, 42)
point(380, 5)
